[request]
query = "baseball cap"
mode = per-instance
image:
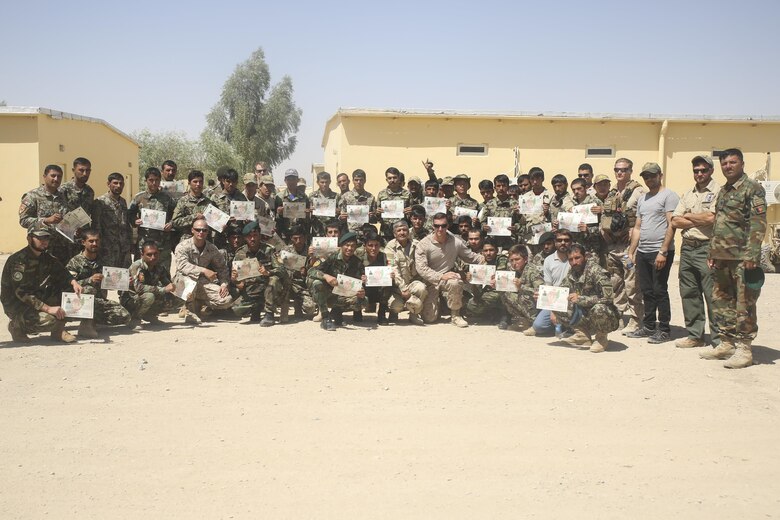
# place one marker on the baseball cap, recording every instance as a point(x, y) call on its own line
point(249, 178)
point(651, 168)
point(705, 158)
point(415, 179)
point(292, 172)
point(601, 178)
point(447, 181)
point(38, 229)
point(266, 179)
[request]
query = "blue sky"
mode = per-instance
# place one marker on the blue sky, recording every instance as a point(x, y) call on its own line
point(161, 65)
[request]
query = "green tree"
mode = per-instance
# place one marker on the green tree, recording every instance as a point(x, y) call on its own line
point(258, 124)
point(159, 147)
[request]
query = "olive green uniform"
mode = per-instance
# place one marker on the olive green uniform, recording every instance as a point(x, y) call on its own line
point(106, 312)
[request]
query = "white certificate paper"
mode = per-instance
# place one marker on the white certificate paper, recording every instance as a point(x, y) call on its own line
point(570, 221)
point(530, 204)
point(481, 273)
point(294, 210)
point(392, 209)
point(215, 218)
point(434, 205)
point(184, 287)
point(153, 219)
point(174, 188)
point(505, 281)
point(266, 226)
point(242, 209)
point(78, 306)
point(553, 298)
point(586, 215)
point(357, 213)
point(72, 222)
point(292, 261)
point(249, 268)
point(115, 279)
point(347, 286)
point(323, 246)
point(323, 207)
point(500, 226)
point(457, 211)
point(378, 276)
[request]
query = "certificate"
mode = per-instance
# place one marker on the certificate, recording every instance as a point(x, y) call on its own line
point(323, 246)
point(553, 298)
point(292, 261)
point(242, 209)
point(772, 189)
point(215, 218)
point(72, 222)
point(458, 211)
point(184, 287)
point(174, 188)
point(392, 209)
point(357, 213)
point(76, 306)
point(481, 273)
point(115, 279)
point(434, 205)
point(538, 230)
point(294, 210)
point(530, 204)
point(505, 281)
point(323, 207)
point(266, 225)
point(347, 286)
point(570, 221)
point(378, 276)
point(500, 226)
point(586, 215)
point(249, 268)
point(153, 219)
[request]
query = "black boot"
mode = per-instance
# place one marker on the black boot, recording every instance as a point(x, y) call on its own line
point(255, 316)
point(268, 320)
point(381, 315)
point(327, 322)
point(393, 317)
point(357, 316)
point(338, 319)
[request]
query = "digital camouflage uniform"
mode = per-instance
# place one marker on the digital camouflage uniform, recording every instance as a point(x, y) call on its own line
point(386, 224)
point(28, 283)
point(379, 295)
point(39, 204)
point(740, 225)
point(318, 223)
point(261, 293)
point(147, 295)
point(110, 220)
point(560, 203)
point(485, 301)
point(506, 208)
point(159, 201)
point(353, 198)
point(591, 238)
point(222, 201)
point(106, 312)
point(599, 314)
point(521, 305)
point(76, 197)
point(284, 224)
point(185, 212)
point(539, 258)
point(322, 292)
point(296, 288)
point(527, 232)
point(401, 260)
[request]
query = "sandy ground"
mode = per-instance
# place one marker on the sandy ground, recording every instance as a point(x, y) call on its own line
point(231, 421)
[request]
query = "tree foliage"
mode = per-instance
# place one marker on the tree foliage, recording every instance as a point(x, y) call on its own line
point(257, 124)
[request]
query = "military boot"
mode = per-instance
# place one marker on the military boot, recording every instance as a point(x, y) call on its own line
point(87, 329)
point(415, 319)
point(631, 326)
point(326, 323)
point(357, 316)
point(338, 317)
point(599, 343)
point(743, 357)
point(60, 334)
point(268, 320)
point(17, 333)
point(381, 315)
point(579, 339)
point(723, 351)
point(284, 311)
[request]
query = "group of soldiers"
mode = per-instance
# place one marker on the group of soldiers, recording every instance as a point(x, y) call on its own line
point(615, 265)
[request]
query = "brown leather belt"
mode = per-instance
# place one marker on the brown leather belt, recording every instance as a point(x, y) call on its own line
point(693, 243)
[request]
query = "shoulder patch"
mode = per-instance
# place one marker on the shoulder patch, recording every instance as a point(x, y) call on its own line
point(17, 276)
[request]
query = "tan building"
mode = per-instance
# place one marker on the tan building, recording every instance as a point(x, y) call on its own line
point(32, 137)
point(483, 145)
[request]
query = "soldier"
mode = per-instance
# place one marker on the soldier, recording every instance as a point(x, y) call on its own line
point(169, 170)
point(536, 180)
point(524, 183)
point(408, 291)
point(201, 261)
point(291, 195)
point(110, 220)
point(547, 242)
point(695, 215)
point(190, 207)
point(588, 235)
point(87, 269)
point(150, 285)
point(261, 169)
point(415, 188)
point(79, 194)
point(296, 290)
point(323, 277)
point(521, 305)
point(617, 225)
point(585, 172)
point(222, 200)
point(486, 301)
point(486, 189)
point(266, 191)
point(591, 313)
point(561, 200)
point(358, 196)
point(394, 191)
point(375, 257)
point(31, 288)
point(417, 218)
point(250, 192)
point(153, 198)
point(735, 255)
point(342, 181)
point(262, 292)
point(323, 192)
point(462, 199)
point(503, 206)
point(47, 204)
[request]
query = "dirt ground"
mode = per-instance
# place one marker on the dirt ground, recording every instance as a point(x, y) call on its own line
point(231, 421)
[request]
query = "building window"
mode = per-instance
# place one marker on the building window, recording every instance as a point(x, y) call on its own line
point(600, 151)
point(472, 149)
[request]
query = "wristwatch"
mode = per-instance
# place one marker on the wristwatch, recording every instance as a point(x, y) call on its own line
point(663, 253)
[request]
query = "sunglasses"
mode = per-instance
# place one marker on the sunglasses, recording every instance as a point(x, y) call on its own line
point(260, 171)
point(199, 230)
point(622, 170)
point(700, 170)
point(440, 226)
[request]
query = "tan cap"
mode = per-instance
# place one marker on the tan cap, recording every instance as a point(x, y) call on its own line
point(266, 179)
point(447, 181)
point(249, 178)
point(651, 168)
point(601, 178)
point(415, 179)
point(38, 229)
point(705, 158)
point(461, 177)
point(301, 181)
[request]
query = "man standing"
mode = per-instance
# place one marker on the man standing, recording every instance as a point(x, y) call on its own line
point(394, 191)
point(342, 181)
point(652, 252)
point(585, 172)
point(222, 200)
point(408, 290)
point(561, 200)
point(486, 301)
point(79, 194)
point(110, 220)
point(735, 255)
point(695, 215)
point(191, 206)
point(435, 262)
point(250, 192)
point(502, 206)
point(47, 204)
point(31, 288)
point(291, 195)
point(323, 192)
point(358, 196)
point(153, 198)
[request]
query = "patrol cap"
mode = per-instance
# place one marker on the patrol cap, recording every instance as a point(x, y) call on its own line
point(461, 177)
point(415, 179)
point(301, 182)
point(38, 229)
point(249, 178)
point(705, 158)
point(292, 172)
point(267, 179)
point(447, 181)
point(601, 178)
point(754, 278)
point(546, 237)
point(249, 228)
point(347, 237)
point(651, 168)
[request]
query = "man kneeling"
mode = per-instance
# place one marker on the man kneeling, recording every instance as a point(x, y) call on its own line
point(150, 285)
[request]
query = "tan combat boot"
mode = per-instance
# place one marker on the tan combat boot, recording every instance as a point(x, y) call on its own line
point(743, 357)
point(458, 320)
point(579, 339)
point(87, 329)
point(600, 343)
point(723, 351)
point(60, 334)
point(688, 342)
point(630, 327)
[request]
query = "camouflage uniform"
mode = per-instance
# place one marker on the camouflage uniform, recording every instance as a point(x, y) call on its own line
point(296, 286)
point(222, 201)
point(560, 203)
point(39, 204)
point(591, 238)
point(506, 208)
point(284, 224)
point(521, 305)
point(354, 198)
point(110, 219)
point(486, 301)
point(184, 214)
point(386, 224)
point(418, 234)
point(83, 198)
point(527, 232)
point(318, 223)
point(262, 292)
point(406, 279)
point(739, 229)
point(147, 295)
point(538, 259)
point(599, 314)
point(159, 201)
point(106, 312)
point(28, 283)
point(321, 291)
